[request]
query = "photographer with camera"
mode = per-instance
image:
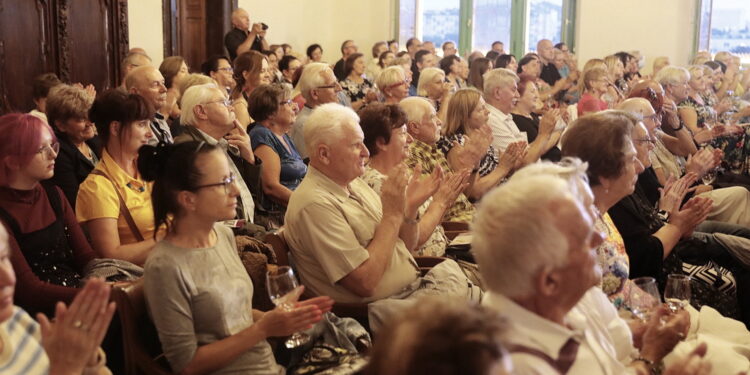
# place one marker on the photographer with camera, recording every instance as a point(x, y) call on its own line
point(245, 36)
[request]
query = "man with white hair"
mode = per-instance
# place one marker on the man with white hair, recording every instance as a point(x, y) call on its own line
point(541, 272)
point(208, 116)
point(348, 242)
point(318, 86)
point(148, 82)
point(424, 127)
point(242, 37)
point(131, 61)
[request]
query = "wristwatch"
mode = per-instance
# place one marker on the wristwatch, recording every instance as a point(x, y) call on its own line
point(663, 215)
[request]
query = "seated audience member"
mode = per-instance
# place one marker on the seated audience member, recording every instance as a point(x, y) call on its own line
point(49, 250)
point(114, 202)
point(559, 319)
point(454, 72)
point(616, 74)
point(393, 84)
point(442, 337)
point(478, 68)
point(594, 86)
point(424, 127)
point(318, 85)
point(358, 88)
point(491, 55)
point(393, 46)
point(387, 141)
point(659, 63)
point(148, 83)
point(68, 112)
point(501, 94)
point(173, 68)
point(273, 65)
point(384, 61)
point(250, 71)
point(507, 61)
point(194, 79)
point(220, 69)
point(498, 47)
point(244, 36)
point(421, 61)
point(40, 87)
point(70, 345)
point(314, 53)
point(546, 52)
point(197, 291)
point(209, 118)
point(429, 47)
point(283, 168)
point(432, 86)
point(466, 144)
point(527, 120)
point(661, 235)
point(449, 48)
point(413, 45)
point(347, 48)
point(287, 49)
point(288, 66)
point(349, 243)
point(374, 67)
point(131, 61)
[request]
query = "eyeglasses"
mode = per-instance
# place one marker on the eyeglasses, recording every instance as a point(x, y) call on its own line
point(227, 69)
point(226, 183)
point(50, 150)
point(405, 82)
point(654, 117)
point(226, 102)
point(334, 85)
point(648, 140)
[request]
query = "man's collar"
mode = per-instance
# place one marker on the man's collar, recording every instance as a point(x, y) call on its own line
point(496, 111)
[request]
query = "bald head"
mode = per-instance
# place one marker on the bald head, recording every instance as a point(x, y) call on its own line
point(147, 82)
point(636, 106)
point(241, 19)
point(545, 50)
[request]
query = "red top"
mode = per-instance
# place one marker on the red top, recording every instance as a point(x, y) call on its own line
point(33, 211)
point(590, 103)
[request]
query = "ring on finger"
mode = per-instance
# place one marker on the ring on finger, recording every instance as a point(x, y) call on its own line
point(77, 324)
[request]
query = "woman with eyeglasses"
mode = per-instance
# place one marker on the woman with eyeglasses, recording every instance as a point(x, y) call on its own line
point(48, 248)
point(283, 168)
point(393, 84)
point(251, 69)
point(114, 202)
point(196, 288)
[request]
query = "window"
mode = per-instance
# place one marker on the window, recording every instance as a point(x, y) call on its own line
point(545, 22)
point(491, 23)
point(725, 26)
point(439, 20)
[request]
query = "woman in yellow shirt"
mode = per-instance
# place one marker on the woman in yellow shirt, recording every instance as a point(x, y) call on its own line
point(114, 202)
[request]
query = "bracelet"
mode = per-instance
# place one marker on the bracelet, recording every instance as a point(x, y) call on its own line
point(682, 125)
point(411, 221)
point(654, 368)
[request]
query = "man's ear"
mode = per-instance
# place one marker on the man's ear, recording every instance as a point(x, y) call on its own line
point(323, 153)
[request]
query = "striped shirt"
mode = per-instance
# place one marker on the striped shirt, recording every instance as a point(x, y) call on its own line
point(22, 352)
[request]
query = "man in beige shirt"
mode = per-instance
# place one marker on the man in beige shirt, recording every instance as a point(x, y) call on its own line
point(345, 243)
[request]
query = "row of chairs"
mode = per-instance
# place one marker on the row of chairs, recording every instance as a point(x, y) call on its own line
point(142, 349)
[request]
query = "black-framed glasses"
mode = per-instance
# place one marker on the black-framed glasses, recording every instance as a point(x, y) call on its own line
point(334, 85)
point(49, 150)
point(226, 183)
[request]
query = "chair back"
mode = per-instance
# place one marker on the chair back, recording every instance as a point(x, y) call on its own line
point(143, 353)
point(279, 246)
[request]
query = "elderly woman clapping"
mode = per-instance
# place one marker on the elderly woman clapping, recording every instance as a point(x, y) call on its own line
point(393, 84)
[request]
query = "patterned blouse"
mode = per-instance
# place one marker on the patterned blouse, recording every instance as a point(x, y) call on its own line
point(435, 245)
point(356, 91)
point(488, 163)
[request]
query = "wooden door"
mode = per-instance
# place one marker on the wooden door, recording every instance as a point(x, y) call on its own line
point(192, 35)
point(195, 29)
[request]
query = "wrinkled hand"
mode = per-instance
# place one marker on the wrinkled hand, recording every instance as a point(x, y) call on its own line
point(663, 332)
point(239, 138)
point(548, 122)
point(513, 156)
point(257, 28)
point(474, 147)
point(280, 322)
point(421, 188)
point(694, 212)
point(674, 192)
point(74, 338)
point(694, 364)
point(393, 192)
point(701, 162)
point(453, 184)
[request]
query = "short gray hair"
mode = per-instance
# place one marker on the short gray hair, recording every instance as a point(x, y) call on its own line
point(389, 76)
point(311, 78)
point(672, 75)
point(195, 95)
point(325, 123)
point(425, 76)
point(415, 107)
point(497, 78)
point(515, 235)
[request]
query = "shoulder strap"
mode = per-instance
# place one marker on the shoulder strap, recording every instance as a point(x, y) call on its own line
point(10, 221)
point(123, 208)
point(54, 199)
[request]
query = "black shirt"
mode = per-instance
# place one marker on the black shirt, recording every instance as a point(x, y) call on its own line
point(531, 127)
point(234, 38)
point(550, 74)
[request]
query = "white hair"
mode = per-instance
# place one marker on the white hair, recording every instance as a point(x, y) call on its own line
point(672, 75)
point(193, 96)
point(325, 125)
point(635, 106)
point(515, 234)
point(389, 76)
point(498, 78)
point(425, 76)
point(415, 107)
point(311, 78)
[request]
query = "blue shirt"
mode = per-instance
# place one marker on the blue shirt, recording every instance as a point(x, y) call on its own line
point(293, 169)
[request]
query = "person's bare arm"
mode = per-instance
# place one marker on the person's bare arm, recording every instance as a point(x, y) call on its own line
point(248, 43)
point(270, 174)
point(105, 240)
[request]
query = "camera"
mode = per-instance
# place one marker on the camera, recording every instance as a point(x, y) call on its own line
point(263, 26)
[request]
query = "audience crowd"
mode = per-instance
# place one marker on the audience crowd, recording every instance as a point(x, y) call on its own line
point(484, 214)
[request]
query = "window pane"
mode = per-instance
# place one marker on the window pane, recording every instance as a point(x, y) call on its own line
point(545, 21)
point(407, 21)
point(730, 27)
point(440, 21)
point(491, 23)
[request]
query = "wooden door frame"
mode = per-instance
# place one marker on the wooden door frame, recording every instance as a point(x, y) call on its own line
point(170, 22)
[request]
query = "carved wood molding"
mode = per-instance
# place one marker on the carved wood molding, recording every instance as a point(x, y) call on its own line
point(63, 39)
point(4, 103)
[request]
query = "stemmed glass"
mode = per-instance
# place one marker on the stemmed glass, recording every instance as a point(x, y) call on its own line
point(677, 292)
point(284, 291)
point(643, 299)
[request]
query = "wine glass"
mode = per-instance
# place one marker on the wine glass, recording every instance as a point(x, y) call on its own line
point(677, 292)
point(284, 291)
point(644, 297)
point(709, 177)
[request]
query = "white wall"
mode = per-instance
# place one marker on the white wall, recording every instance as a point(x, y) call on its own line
point(145, 28)
point(326, 22)
point(654, 27)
